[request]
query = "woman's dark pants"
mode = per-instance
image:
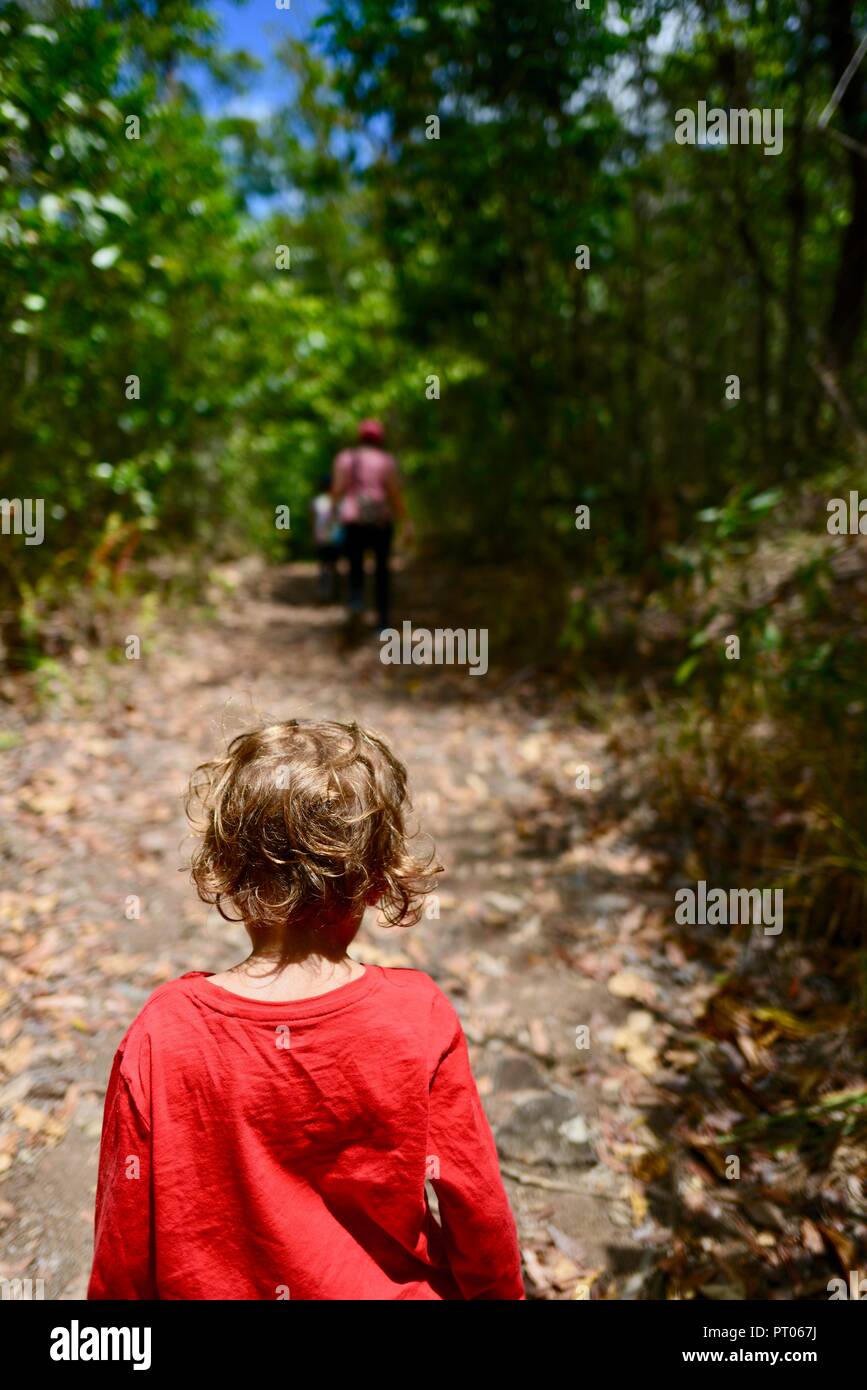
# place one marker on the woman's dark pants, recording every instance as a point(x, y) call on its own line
point(360, 539)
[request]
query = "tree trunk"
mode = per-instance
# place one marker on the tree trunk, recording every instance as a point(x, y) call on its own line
point(846, 311)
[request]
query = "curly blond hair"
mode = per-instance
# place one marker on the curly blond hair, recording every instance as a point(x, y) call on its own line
point(302, 825)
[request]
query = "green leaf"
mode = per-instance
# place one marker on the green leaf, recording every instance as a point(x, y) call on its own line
point(764, 501)
point(39, 31)
point(105, 257)
point(108, 203)
point(686, 668)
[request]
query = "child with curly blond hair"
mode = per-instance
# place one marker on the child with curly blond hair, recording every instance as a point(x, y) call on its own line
point(269, 1130)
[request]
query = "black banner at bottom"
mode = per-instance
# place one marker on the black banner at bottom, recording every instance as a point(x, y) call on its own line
point(66, 1339)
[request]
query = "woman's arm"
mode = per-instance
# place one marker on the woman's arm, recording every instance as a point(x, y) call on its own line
point(394, 492)
point(339, 479)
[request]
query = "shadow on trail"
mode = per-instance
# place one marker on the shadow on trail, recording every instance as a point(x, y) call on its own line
point(427, 604)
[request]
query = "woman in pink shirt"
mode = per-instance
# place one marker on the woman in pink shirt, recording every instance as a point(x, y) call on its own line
point(367, 490)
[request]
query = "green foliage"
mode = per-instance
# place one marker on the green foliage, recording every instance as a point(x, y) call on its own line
point(760, 756)
point(116, 256)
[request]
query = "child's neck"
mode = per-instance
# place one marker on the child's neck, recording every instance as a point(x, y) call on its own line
point(263, 975)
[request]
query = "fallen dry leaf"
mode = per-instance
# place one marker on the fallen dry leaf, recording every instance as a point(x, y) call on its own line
point(626, 984)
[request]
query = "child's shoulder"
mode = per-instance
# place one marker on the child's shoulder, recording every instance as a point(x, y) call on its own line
point(164, 1000)
point(415, 982)
point(418, 991)
point(134, 1055)
point(171, 992)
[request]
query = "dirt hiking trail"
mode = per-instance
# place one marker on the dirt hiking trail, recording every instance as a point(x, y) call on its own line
point(545, 937)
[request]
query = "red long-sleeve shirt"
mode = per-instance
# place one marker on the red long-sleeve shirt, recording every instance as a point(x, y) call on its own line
point(258, 1150)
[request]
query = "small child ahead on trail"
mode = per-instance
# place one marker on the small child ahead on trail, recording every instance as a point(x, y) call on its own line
point(269, 1129)
point(328, 537)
